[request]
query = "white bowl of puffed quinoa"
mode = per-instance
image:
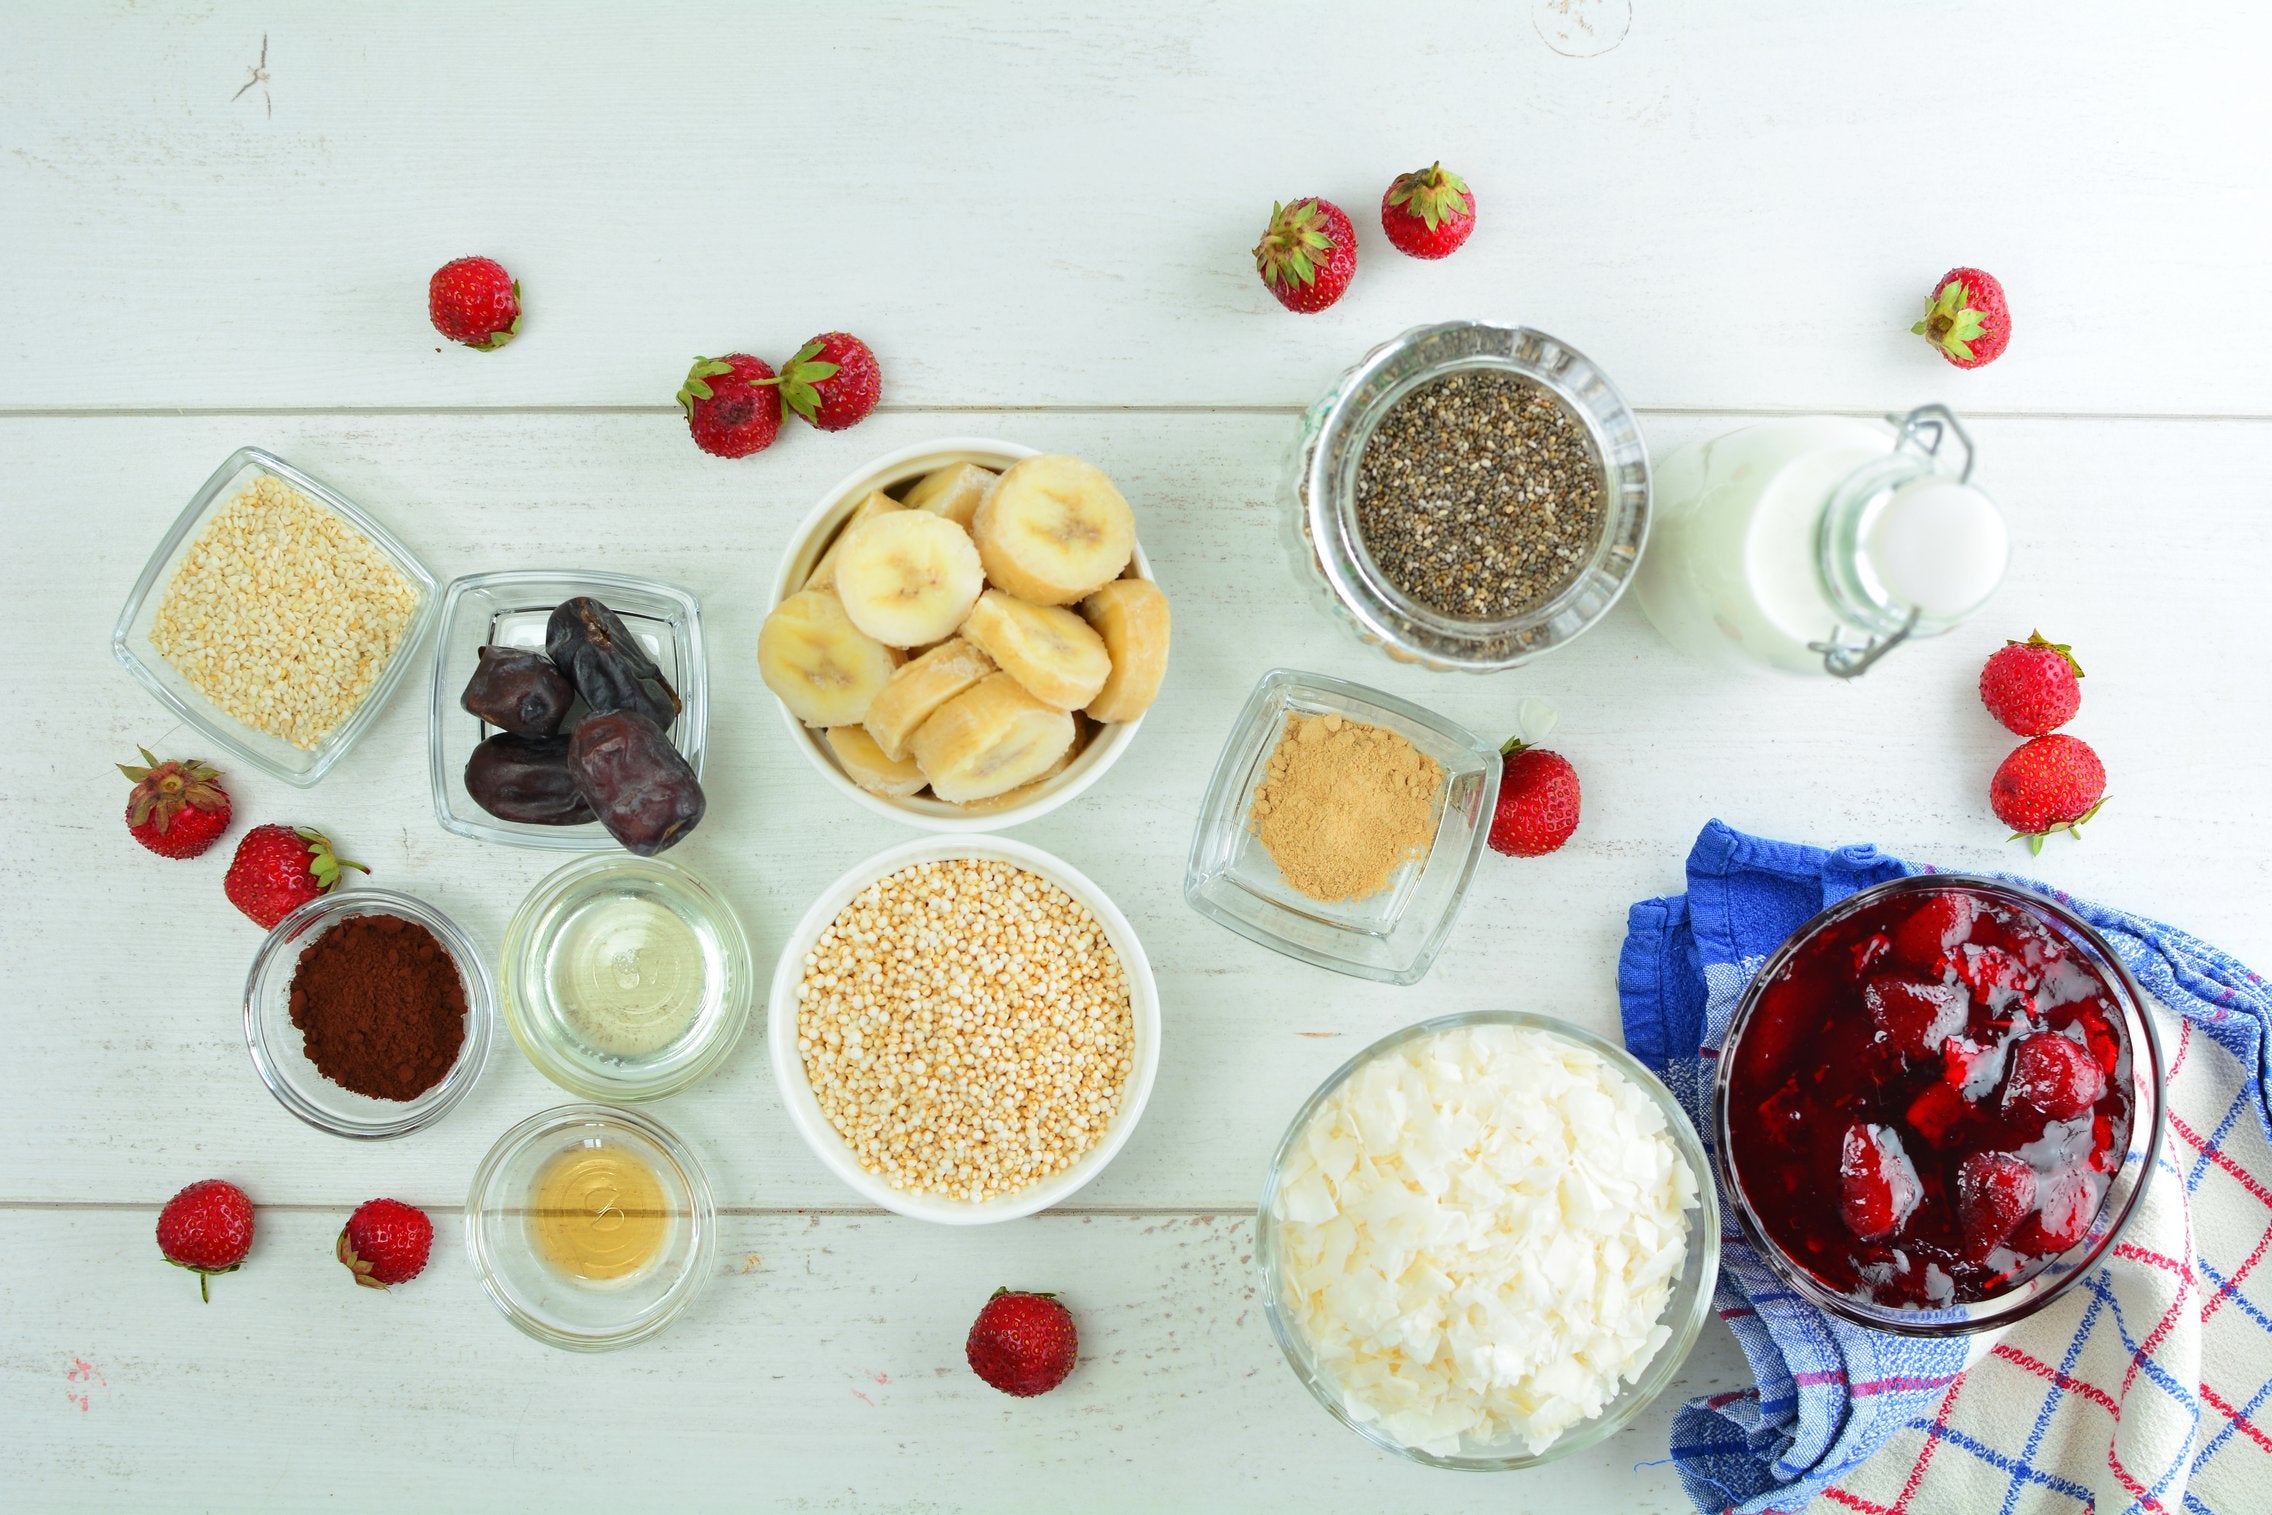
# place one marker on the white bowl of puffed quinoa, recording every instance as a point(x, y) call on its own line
point(964, 1029)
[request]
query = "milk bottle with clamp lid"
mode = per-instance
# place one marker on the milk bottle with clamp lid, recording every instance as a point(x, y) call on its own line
point(1817, 544)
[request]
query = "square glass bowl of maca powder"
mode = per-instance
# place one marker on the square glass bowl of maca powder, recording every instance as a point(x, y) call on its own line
point(1341, 826)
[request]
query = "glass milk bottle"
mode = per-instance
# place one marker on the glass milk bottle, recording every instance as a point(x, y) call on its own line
point(1817, 544)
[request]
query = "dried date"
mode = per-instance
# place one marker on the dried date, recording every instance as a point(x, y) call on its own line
point(634, 780)
point(526, 779)
point(591, 645)
point(518, 691)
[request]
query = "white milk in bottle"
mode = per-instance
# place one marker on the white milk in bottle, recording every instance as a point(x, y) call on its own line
point(1816, 544)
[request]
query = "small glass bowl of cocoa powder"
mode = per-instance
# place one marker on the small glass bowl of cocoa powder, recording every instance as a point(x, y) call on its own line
point(368, 990)
point(1341, 826)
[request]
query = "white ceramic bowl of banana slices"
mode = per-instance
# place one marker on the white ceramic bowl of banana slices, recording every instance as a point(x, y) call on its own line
point(965, 634)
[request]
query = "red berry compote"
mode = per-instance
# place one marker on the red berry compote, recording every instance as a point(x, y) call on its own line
point(1929, 1100)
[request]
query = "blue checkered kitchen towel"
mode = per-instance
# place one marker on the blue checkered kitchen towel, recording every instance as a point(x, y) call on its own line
point(2144, 1389)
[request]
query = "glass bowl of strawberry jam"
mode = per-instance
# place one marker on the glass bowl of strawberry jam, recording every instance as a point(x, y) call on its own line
point(1938, 1104)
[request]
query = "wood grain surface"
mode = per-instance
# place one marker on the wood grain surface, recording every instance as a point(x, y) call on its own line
point(1039, 218)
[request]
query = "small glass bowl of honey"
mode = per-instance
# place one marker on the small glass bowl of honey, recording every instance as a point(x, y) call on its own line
point(591, 1227)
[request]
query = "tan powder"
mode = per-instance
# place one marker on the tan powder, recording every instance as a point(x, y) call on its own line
point(1343, 805)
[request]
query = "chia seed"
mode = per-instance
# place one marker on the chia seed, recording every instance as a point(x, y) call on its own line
point(1479, 495)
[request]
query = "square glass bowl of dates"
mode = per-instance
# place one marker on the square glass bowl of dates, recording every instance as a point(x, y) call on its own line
point(1938, 1105)
point(965, 634)
point(569, 711)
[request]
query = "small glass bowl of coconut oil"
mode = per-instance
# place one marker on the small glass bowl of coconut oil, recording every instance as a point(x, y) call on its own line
point(626, 978)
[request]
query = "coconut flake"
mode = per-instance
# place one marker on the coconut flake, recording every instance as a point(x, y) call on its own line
point(1479, 1234)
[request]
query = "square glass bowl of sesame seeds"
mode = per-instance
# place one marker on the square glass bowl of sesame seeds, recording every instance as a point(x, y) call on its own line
point(1341, 826)
point(964, 1029)
point(276, 617)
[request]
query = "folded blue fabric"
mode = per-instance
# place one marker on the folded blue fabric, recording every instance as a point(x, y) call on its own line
point(1829, 1394)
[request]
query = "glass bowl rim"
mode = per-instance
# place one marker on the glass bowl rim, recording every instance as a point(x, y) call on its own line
point(1334, 414)
point(1278, 687)
point(701, 1209)
point(521, 943)
point(694, 719)
point(480, 1002)
point(1632, 1397)
point(1935, 1323)
point(890, 470)
point(803, 1108)
point(210, 720)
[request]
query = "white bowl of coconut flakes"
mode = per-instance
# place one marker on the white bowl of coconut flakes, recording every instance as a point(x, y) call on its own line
point(1488, 1241)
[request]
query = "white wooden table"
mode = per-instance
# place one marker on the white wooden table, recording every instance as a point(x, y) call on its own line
point(1041, 223)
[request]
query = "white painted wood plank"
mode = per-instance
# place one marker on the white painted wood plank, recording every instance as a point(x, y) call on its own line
point(822, 1370)
point(2143, 543)
point(1739, 205)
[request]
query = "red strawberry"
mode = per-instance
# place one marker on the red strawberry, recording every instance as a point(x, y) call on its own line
point(385, 1242)
point(1538, 801)
point(1877, 1186)
point(832, 382)
point(176, 809)
point(732, 404)
point(206, 1228)
point(2052, 783)
point(474, 301)
point(1994, 1193)
point(2031, 686)
point(1022, 1344)
point(1428, 212)
point(1307, 254)
point(277, 869)
point(1966, 319)
point(1934, 930)
point(2055, 1074)
point(1938, 1114)
point(2071, 1202)
point(1914, 1018)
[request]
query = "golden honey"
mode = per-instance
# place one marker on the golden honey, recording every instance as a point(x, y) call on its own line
point(598, 1213)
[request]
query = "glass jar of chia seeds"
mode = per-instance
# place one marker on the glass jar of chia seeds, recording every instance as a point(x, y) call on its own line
point(1470, 496)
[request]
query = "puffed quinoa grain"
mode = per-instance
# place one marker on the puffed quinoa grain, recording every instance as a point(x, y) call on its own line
point(965, 1026)
point(282, 614)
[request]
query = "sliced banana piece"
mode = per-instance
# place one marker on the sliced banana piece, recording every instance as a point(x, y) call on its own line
point(921, 686)
point(1010, 799)
point(990, 739)
point(953, 491)
point(824, 571)
point(824, 668)
point(864, 764)
point(1053, 652)
point(1131, 615)
point(1053, 528)
point(908, 577)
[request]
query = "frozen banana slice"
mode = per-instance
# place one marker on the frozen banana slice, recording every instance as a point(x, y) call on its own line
point(953, 491)
point(1010, 799)
point(864, 764)
point(824, 668)
point(1053, 528)
point(1131, 615)
point(1053, 652)
point(989, 739)
point(908, 577)
point(824, 571)
point(921, 686)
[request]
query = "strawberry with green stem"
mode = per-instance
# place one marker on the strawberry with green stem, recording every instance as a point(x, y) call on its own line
point(1307, 255)
point(732, 404)
point(1429, 212)
point(832, 382)
point(1966, 318)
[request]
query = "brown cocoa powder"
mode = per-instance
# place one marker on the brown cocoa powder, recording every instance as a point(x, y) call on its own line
point(380, 1005)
